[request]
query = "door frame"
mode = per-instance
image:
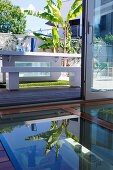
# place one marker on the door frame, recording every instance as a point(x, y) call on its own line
point(87, 44)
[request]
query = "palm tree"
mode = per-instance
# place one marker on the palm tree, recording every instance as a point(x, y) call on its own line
point(52, 13)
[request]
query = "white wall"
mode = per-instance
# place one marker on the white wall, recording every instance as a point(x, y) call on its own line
point(4, 37)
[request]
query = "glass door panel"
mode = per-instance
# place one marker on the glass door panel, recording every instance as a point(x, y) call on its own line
point(99, 68)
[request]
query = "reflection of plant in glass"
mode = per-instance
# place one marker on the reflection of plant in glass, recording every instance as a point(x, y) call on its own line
point(52, 136)
point(98, 39)
point(106, 114)
point(109, 39)
point(98, 47)
point(7, 129)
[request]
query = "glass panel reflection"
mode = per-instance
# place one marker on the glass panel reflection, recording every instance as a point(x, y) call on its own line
point(70, 144)
point(103, 111)
point(103, 46)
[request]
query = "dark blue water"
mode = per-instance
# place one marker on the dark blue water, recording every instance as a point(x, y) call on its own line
point(64, 143)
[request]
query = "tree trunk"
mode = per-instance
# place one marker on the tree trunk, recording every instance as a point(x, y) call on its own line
point(54, 50)
point(65, 38)
point(44, 49)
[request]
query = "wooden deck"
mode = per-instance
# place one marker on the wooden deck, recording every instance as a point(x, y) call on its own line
point(37, 95)
point(5, 163)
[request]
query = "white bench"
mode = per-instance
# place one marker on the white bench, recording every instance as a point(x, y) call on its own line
point(12, 80)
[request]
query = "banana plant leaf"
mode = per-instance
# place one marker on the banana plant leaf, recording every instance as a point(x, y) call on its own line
point(75, 10)
point(45, 136)
point(76, 4)
point(52, 141)
point(56, 12)
point(58, 146)
point(46, 46)
point(47, 8)
point(43, 15)
point(55, 37)
point(49, 41)
point(44, 37)
point(59, 4)
point(52, 136)
point(70, 135)
point(53, 125)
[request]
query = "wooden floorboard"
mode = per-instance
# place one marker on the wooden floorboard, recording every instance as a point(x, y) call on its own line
point(37, 95)
point(6, 166)
point(5, 163)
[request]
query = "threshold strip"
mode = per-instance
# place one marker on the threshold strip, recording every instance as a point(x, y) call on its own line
point(36, 108)
point(90, 118)
point(93, 103)
point(50, 107)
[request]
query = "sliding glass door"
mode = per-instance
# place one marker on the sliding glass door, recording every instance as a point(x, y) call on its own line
point(99, 53)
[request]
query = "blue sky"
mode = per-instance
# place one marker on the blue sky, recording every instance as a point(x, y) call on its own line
point(33, 23)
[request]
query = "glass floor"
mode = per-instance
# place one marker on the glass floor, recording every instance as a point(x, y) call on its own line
point(56, 140)
point(101, 111)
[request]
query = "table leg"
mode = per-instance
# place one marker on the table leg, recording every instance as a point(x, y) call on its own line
point(12, 81)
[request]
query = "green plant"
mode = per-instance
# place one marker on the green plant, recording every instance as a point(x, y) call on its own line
point(50, 42)
point(7, 129)
point(76, 45)
point(51, 83)
point(13, 41)
point(52, 13)
point(72, 45)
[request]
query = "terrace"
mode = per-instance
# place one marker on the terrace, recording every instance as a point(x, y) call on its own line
point(51, 61)
point(63, 120)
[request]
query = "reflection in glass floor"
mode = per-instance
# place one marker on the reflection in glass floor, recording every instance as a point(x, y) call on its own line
point(45, 141)
point(103, 111)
